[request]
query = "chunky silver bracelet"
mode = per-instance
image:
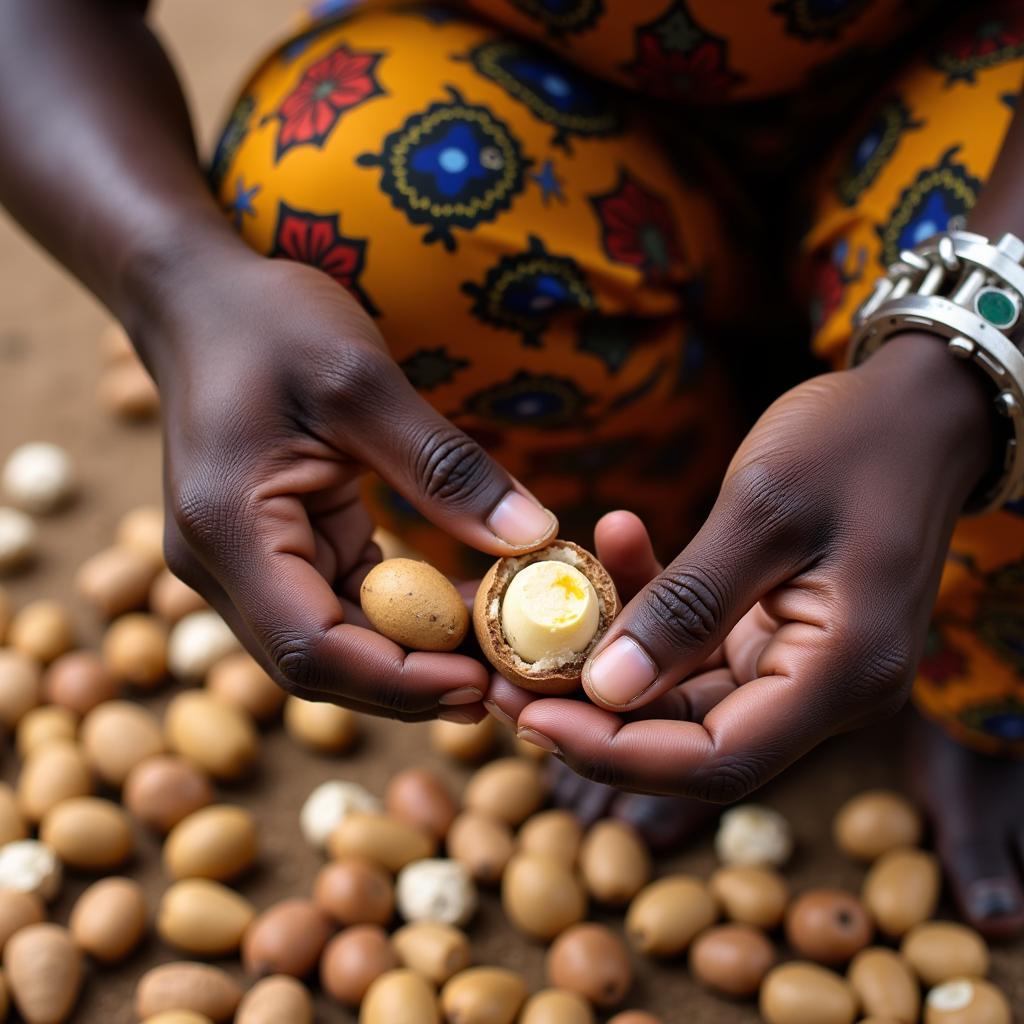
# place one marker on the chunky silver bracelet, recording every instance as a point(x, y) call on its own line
point(969, 291)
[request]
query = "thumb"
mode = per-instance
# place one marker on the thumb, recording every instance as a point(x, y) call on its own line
point(676, 622)
point(450, 479)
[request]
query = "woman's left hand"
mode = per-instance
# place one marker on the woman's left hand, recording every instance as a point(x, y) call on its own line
point(800, 608)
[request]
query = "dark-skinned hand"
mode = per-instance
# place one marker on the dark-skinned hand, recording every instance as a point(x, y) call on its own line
point(799, 609)
point(277, 393)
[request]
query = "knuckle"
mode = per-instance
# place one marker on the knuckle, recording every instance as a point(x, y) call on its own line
point(452, 467)
point(729, 781)
point(354, 378)
point(600, 770)
point(296, 662)
point(684, 608)
point(772, 501)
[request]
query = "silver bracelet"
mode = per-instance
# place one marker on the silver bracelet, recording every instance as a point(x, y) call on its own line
point(960, 286)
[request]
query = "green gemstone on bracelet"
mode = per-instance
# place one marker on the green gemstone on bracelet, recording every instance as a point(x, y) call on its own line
point(997, 307)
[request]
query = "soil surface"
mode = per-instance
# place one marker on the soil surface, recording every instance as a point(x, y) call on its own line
point(49, 370)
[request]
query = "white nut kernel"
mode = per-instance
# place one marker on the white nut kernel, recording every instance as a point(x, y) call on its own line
point(436, 889)
point(753, 836)
point(28, 865)
point(38, 477)
point(328, 804)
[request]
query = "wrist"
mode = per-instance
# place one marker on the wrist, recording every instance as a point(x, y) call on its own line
point(948, 401)
point(173, 257)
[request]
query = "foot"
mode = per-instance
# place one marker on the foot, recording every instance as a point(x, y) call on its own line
point(975, 802)
point(663, 821)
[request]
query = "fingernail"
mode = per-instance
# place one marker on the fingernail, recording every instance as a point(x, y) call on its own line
point(519, 521)
point(621, 672)
point(992, 898)
point(506, 720)
point(538, 739)
point(463, 695)
point(458, 715)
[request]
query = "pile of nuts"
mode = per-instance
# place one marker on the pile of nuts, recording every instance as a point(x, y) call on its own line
point(386, 924)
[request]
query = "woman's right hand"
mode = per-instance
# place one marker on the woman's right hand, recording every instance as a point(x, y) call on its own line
point(277, 393)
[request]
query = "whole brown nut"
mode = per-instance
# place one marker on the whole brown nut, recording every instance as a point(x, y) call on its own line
point(164, 789)
point(353, 960)
point(940, 951)
point(320, 727)
point(17, 910)
point(381, 838)
point(109, 919)
point(115, 580)
point(901, 889)
point(751, 895)
point(44, 970)
point(885, 985)
point(400, 995)
point(286, 938)
point(541, 896)
point(509, 789)
point(181, 985)
point(615, 862)
point(803, 993)
point(875, 822)
point(42, 630)
point(463, 742)
point(88, 833)
point(79, 681)
point(828, 926)
point(485, 995)
point(218, 737)
point(437, 951)
point(355, 890)
point(19, 685)
point(116, 735)
point(555, 833)
point(43, 725)
point(418, 796)
point(172, 599)
point(276, 1000)
point(557, 1006)
point(483, 845)
point(667, 915)
point(203, 917)
point(51, 775)
point(135, 650)
point(592, 960)
point(240, 681)
point(732, 959)
point(218, 842)
point(635, 1017)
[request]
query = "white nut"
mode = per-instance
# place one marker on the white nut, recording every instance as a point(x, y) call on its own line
point(951, 995)
point(753, 836)
point(436, 889)
point(328, 804)
point(30, 866)
point(197, 643)
point(18, 539)
point(38, 477)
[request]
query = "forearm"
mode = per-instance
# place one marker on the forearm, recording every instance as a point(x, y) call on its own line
point(97, 159)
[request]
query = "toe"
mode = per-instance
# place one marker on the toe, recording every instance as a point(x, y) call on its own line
point(986, 883)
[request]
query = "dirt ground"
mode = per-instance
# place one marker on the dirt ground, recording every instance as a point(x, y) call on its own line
point(49, 369)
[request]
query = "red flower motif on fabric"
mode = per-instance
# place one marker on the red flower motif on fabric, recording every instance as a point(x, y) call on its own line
point(697, 74)
point(315, 240)
point(637, 228)
point(989, 37)
point(328, 88)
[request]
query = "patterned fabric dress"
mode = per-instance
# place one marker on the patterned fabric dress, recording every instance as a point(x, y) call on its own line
point(566, 216)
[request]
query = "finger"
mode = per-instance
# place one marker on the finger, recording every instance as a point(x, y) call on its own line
point(506, 701)
point(744, 741)
point(297, 621)
point(677, 621)
point(441, 470)
point(624, 547)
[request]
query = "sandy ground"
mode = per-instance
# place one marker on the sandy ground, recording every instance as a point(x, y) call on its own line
point(49, 369)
